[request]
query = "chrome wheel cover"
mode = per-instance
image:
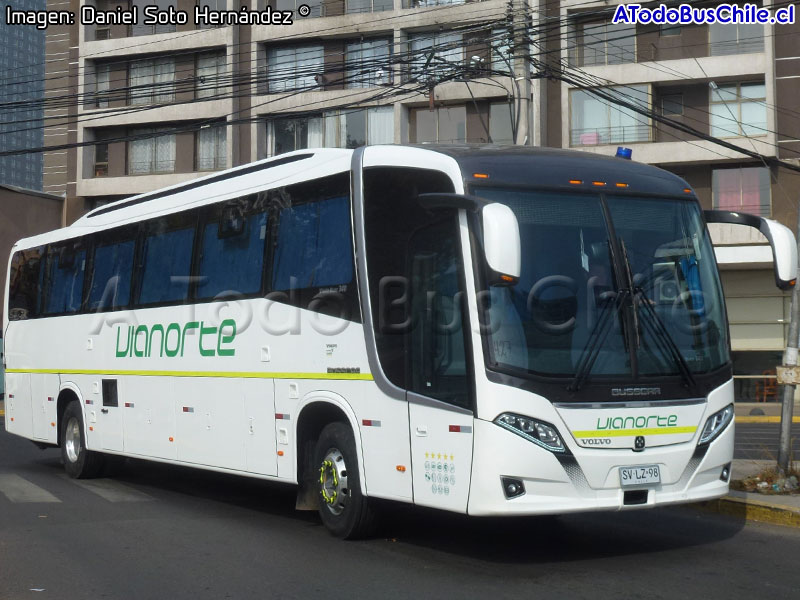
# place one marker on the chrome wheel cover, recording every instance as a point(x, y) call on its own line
point(333, 482)
point(72, 440)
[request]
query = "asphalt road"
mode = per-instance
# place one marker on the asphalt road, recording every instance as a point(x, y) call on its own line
point(759, 441)
point(161, 532)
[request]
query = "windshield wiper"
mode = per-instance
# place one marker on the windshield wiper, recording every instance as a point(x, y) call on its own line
point(657, 328)
point(597, 337)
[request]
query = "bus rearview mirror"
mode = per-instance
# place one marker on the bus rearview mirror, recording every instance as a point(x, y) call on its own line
point(501, 244)
point(781, 240)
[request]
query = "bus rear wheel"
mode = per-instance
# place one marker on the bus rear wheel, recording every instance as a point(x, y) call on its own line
point(344, 510)
point(79, 463)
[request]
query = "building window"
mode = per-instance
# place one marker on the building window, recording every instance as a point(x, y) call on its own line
point(724, 39)
point(102, 77)
point(294, 68)
point(668, 30)
point(445, 124)
point(500, 50)
point(500, 126)
point(212, 148)
point(421, 3)
point(594, 120)
point(738, 109)
point(368, 63)
point(296, 134)
point(101, 160)
point(211, 69)
point(435, 55)
point(364, 6)
point(603, 43)
point(317, 6)
point(163, 6)
point(746, 190)
point(152, 81)
point(153, 154)
point(672, 104)
point(333, 129)
point(212, 6)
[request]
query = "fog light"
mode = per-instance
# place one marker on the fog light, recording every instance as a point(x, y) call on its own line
point(512, 488)
point(726, 473)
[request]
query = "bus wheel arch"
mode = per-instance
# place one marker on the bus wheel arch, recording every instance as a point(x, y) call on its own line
point(315, 416)
point(79, 461)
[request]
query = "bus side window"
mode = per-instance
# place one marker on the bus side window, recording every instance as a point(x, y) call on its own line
point(111, 275)
point(167, 259)
point(231, 259)
point(23, 298)
point(313, 247)
point(66, 266)
point(437, 363)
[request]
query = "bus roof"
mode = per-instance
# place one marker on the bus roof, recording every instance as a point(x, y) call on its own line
point(555, 167)
point(505, 165)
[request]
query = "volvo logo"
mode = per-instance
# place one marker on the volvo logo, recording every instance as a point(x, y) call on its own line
point(638, 444)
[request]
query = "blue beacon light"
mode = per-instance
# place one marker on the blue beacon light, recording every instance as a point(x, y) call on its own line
point(625, 153)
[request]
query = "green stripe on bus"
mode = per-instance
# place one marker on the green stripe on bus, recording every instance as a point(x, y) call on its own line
point(228, 374)
point(604, 433)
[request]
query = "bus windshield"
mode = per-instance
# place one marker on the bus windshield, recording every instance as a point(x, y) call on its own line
point(617, 286)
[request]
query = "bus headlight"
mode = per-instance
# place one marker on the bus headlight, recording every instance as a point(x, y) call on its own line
point(533, 430)
point(716, 424)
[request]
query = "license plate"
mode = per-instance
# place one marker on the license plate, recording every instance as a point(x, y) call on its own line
point(640, 475)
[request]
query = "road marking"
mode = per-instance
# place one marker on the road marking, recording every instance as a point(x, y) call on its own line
point(110, 490)
point(19, 490)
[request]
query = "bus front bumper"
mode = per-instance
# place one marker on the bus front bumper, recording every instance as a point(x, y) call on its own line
point(589, 479)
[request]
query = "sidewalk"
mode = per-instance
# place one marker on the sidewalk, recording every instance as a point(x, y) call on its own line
point(763, 412)
point(778, 510)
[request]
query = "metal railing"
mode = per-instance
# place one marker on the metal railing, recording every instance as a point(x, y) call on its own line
point(598, 136)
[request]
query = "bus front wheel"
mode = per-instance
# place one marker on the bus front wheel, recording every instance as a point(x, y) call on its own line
point(344, 510)
point(79, 463)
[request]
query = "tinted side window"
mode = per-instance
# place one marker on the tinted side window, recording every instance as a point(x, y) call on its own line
point(24, 278)
point(66, 266)
point(167, 259)
point(111, 280)
point(231, 260)
point(392, 216)
point(313, 247)
point(437, 360)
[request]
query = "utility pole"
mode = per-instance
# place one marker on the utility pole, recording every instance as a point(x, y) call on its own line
point(788, 374)
point(519, 11)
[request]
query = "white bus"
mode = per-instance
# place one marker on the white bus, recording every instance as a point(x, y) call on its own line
point(485, 330)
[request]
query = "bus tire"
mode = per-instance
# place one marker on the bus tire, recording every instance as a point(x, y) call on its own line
point(79, 463)
point(343, 508)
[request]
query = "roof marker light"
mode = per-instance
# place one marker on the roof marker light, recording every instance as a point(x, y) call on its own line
point(687, 190)
point(625, 153)
point(599, 183)
point(576, 181)
point(480, 176)
point(621, 185)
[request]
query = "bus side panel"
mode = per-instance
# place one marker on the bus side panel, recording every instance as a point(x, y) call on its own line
point(212, 424)
point(19, 417)
point(44, 391)
point(259, 426)
point(149, 417)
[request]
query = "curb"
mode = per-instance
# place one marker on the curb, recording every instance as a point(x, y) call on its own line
point(762, 419)
point(753, 510)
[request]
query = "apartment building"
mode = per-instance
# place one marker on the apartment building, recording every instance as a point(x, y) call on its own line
point(22, 62)
point(162, 104)
point(738, 83)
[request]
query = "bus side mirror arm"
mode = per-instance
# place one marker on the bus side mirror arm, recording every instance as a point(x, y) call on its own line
point(501, 242)
point(781, 240)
